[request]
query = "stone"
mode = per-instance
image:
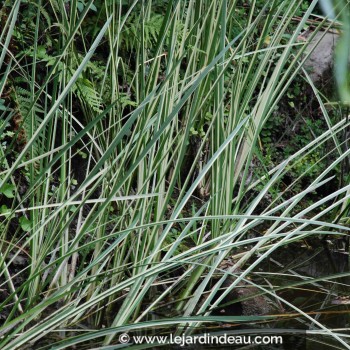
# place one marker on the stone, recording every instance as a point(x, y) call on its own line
point(321, 58)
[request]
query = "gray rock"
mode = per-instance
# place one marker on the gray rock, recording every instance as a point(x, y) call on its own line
point(19, 259)
point(321, 58)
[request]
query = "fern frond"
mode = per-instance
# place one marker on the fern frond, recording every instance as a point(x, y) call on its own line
point(88, 94)
point(23, 119)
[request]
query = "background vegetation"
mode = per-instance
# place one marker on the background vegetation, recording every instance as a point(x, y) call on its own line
point(155, 156)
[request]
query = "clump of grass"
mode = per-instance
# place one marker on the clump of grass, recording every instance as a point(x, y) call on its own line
point(113, 96)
